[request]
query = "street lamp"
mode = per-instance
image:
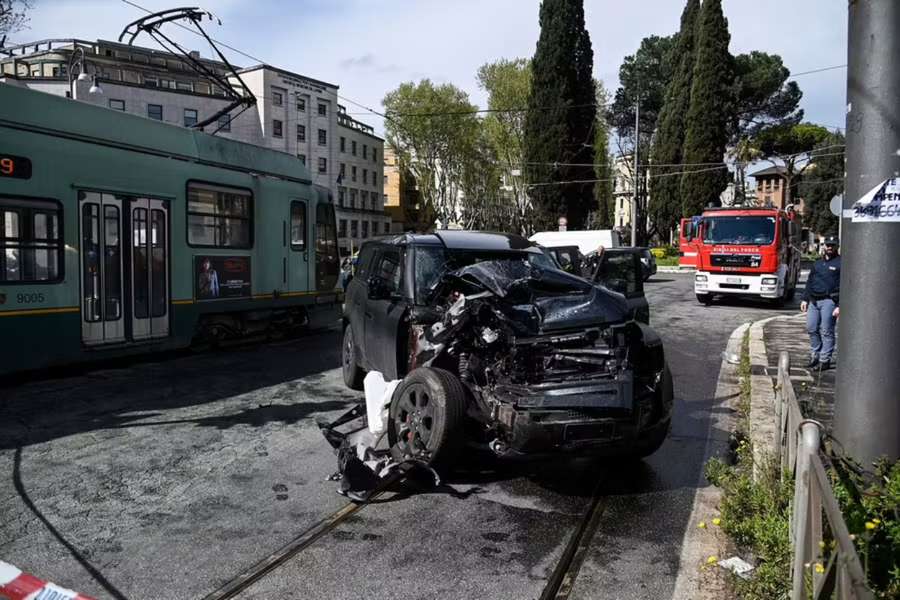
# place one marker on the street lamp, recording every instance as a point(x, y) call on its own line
point(78, 60)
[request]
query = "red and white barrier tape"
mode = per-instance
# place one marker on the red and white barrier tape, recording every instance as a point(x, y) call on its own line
point(16, 585)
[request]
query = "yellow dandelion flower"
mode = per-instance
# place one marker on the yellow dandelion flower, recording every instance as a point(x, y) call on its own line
point(717, 521)
point(701, 525)
point(870, 525)
point(822, 545)
point(876, 521)
point(712, 560)
point(820, 568)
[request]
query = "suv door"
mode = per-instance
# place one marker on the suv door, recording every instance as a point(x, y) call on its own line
point(621, 270)
point(355, 298)
point(385, 307)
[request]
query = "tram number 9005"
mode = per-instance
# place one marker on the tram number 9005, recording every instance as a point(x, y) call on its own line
point(37, 298)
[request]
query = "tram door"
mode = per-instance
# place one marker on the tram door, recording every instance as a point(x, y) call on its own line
point(124, 268)
point(149, 269)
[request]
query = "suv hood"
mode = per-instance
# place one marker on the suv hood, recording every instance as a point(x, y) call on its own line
point(542, 300)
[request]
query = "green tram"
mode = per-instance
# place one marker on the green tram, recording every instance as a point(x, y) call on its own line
point(123, 235)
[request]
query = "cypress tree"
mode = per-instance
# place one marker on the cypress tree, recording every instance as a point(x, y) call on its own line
point(706, 132)
point(561, 113)
point(665, 193)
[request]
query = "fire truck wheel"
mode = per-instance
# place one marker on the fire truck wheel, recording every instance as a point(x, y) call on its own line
point(704, 299)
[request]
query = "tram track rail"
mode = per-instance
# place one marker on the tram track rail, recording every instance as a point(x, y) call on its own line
point(559, 585)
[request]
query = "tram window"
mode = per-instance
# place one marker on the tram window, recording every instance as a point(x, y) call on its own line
point(298, 225)
point(139, 281)
point(219, 217)
point(90, 252)
point(327, 263)
point(158, 244)
point(112, 263)
point(30, 241)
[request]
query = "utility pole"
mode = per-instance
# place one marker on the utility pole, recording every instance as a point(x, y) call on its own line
point(867, 411)
point(637, 180)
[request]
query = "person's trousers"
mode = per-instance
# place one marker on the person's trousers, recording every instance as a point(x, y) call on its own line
point(820, 326)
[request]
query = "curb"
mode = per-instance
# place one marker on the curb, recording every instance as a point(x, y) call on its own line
point(675, 269)
point(695, 581)
point(763, 420)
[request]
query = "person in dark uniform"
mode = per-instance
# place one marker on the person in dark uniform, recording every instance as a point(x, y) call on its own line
point(820, 303)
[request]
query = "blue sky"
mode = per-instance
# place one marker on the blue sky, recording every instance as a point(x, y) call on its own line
point(368, 47)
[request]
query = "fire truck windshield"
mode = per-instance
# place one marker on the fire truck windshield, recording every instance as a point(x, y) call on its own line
point(758, 231)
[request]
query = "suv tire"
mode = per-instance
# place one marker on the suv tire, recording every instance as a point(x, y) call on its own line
point(426, 417)
point(353, 374)
point(704, 299)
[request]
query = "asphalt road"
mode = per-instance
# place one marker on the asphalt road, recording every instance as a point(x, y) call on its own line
point(165, 479)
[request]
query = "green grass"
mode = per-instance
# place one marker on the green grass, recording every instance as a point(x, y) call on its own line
point(667, 261)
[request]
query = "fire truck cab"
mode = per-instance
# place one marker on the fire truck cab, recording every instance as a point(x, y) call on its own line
point(747, 252)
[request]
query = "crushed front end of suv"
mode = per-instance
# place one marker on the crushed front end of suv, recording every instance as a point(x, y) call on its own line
point(493, 345)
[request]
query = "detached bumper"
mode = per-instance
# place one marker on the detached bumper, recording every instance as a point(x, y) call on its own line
point(599, 418)
point(764, 285)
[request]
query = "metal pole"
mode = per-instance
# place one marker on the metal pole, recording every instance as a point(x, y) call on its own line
point(637, 180)
point(867, 411)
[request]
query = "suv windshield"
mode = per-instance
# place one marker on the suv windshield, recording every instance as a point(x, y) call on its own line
point(431, 262)
point(758, 231)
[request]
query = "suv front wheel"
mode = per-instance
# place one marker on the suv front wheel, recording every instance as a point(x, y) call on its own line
point(427, 416)
point(353, 374)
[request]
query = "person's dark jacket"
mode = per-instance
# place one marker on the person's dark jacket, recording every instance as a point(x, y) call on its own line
point(824, 280)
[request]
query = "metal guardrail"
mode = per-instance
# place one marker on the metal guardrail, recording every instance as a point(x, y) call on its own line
point(797, 446)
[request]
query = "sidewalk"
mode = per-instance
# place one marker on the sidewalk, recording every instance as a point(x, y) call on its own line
point(815, 390)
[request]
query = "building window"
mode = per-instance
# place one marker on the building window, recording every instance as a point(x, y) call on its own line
point(342, 228)
point(365, 176)
point(167, 83)
point(374, 154)
point(154, 111)
point(190, 117)
point(342, 193)
point(323, 109)
point(302, 158)
point(117, 104)
point(323, 165)
point(31, 242)
point(301, 104)
point(298, 225)
point(277, 98)
point(151, 81)
point(225, 123)
point(185, 86)
point(353, 147)
point(354, 228)
point(365, 229)
point(353, 193)
point(365, 151)
point(363, 199)
point(387, 227)
point(301, 133)
point(353, 172)
point(276, 128)
point(385, 180)
point(323, 137)
point(219, 216)
point(343, 170)
point(343, 144)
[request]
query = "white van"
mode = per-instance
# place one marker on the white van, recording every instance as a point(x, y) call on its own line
point(586, 241)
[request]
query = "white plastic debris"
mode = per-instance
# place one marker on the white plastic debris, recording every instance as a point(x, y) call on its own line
point(738, 566)
point(489, 335)
point(378, 396)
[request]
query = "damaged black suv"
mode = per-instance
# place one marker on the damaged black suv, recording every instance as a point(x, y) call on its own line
point(497, 346)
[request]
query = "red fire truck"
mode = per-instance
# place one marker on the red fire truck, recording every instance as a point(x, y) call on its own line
point(746, 251)
point(687, 249)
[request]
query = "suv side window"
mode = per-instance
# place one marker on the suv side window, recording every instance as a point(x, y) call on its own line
point(364, 263)
point(620, 272)
point(389, 269)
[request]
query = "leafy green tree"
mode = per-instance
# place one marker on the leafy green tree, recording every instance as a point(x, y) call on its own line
point(665, 193)
point(508, 84)
point(790, 146)
point(822, 182)
point(433, 129)
point(710, 112)
point(763, 95)
point(643, 75)
point(14, 16)
point(559, 125)
point(604, 205)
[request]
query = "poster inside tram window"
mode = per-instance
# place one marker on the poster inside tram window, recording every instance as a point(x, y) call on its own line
point(222, 277)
